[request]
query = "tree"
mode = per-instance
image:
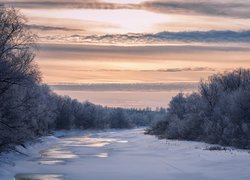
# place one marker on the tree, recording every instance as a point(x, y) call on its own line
point(18, 73)
point(17, 45)
point(118, 119)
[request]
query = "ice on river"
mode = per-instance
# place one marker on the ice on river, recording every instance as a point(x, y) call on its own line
point(122, 155)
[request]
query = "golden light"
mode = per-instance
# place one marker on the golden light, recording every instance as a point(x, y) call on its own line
point(121, 21)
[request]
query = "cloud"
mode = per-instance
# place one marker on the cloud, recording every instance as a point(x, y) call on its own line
point(51, 28)
point(189, 69)
point(204, 36)
point(229, 8)
point(168, 70)
point(138, 53)
point(126, 87)
point(66, 4)
point(160, 38)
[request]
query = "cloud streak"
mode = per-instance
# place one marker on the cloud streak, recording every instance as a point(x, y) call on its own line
point(189, 69)
point(126, 87)
point(66, 4)
point(51, 28)
point(140, 53)
point(168, 70)
point(239, 9)
point(161, 37)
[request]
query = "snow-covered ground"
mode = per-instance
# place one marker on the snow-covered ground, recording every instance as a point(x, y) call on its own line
point(122, 155)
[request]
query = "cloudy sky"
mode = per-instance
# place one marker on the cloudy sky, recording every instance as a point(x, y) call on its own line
point(136, 53)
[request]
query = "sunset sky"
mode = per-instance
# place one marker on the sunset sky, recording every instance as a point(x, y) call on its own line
point(136, 53)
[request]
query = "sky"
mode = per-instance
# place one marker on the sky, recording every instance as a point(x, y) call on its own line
point(136, 53)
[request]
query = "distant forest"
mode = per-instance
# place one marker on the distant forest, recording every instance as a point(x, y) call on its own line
point(218, 113)
point(29, 109)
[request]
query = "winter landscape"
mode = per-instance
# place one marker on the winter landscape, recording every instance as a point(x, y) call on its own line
point(123, 154)
point(124, 89)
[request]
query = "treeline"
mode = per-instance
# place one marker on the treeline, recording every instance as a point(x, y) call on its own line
point(72, 114)
point(219, 113)
point(29, 108)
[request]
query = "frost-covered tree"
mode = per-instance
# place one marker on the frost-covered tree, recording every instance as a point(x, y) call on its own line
point(218, 113)
point(17, 71)
point(17, 44)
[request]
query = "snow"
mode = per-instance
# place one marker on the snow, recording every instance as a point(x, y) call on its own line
point(123, 155)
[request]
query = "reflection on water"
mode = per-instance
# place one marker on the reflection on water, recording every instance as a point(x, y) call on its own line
point(102, 155)
point(122, 141)
point(100, 144)
point(51, 162)
point(58, 153)
point(69, 148)
point(86, 141)
point(39, 177)
point(99, 155)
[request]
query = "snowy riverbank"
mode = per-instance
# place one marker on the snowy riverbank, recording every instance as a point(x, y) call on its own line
point(123, 155)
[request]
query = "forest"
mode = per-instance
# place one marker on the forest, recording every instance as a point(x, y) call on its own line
point(219, 113)
point(30, 109)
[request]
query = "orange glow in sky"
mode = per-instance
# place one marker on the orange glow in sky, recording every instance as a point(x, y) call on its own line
point(137, 41)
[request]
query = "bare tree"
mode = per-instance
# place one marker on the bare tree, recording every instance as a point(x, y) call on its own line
point(17, 45)
point(17, 69)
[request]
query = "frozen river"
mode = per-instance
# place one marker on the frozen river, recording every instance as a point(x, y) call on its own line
point(122, 155)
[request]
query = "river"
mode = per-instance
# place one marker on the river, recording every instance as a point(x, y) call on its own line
point(123, 155)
